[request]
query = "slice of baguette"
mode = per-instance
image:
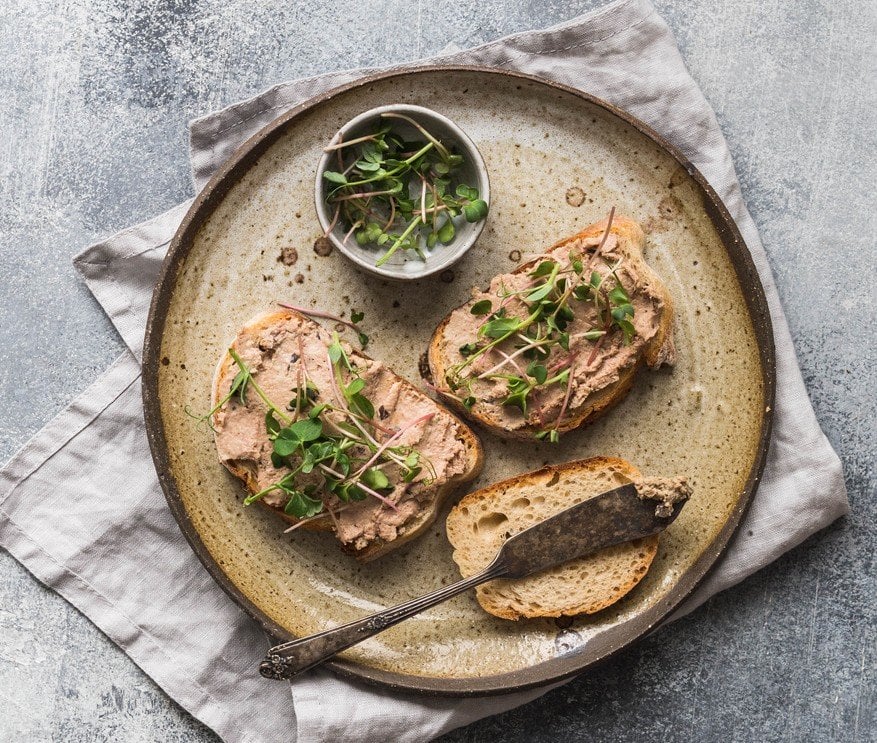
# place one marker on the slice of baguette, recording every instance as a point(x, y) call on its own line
point(257, 343)
point(652, 345)
point(479, 524)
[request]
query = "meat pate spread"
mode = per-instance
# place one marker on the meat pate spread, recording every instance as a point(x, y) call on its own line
point(591, 371)
point(279, 356)
point(668, 491)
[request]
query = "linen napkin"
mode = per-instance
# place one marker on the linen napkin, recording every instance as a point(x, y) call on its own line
point(119, 557)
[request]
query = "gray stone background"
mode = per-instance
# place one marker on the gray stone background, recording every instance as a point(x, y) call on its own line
point(95, 98)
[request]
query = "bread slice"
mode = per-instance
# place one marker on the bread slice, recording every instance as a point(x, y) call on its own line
point(479, 524)
point(600, 381)
point(275, 345)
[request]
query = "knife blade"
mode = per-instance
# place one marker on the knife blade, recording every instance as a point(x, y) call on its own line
point(613, 517)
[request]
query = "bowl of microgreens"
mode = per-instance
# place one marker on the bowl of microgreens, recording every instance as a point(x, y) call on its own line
point(402, 191)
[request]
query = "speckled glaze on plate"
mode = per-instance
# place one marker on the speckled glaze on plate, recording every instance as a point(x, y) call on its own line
point(558, 160)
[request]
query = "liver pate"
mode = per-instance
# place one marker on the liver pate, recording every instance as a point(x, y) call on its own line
point(591, 371)
point(278, 355)
point(666, 490)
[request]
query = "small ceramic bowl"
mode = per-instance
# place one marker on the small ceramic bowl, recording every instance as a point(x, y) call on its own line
point(403, 267)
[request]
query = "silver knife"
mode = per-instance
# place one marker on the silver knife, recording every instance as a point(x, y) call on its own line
point(616, 516)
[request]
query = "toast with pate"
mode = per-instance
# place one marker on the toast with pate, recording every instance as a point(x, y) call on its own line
point(557, 341)
point(331, 439)
point(479, 524)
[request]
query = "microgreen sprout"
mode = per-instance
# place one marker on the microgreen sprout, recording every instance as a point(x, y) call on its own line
point(400, 195)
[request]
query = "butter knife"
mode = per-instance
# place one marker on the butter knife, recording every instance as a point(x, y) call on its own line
point(616, 516)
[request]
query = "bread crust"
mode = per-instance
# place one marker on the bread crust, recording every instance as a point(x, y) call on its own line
point(494, 597)
point(222, 377)
point(659, 350)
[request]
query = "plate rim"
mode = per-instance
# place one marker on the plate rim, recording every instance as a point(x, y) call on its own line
point(605, 644)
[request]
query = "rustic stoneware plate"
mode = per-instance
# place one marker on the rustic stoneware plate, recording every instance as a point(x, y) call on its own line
point(558, 159)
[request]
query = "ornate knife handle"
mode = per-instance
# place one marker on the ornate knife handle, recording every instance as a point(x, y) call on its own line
point(291, 658)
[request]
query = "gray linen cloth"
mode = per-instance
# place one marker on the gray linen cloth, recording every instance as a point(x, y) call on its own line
point(81, 508)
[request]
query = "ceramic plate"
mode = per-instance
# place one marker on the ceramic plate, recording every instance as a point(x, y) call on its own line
point(558, 160)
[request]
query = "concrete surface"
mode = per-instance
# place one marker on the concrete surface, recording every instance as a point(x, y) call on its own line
point(95, 96)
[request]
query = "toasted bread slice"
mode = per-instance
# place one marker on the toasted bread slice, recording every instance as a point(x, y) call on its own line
point(279, 347)
point(602, 370)
point(479, 524)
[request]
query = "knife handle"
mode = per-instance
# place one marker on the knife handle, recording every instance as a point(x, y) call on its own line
point(291, 658)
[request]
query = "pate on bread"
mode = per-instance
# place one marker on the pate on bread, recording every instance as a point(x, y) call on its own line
point(557, 341)
point(286, 352)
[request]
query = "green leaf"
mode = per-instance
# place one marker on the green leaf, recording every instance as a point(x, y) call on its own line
point(363, 339)
point(292, 437)
point(543, 269)
point(346, 491)
point(412, 473)
point(356, 316)
point(302, 506)
point(468, 402)
point(333, 177)
point(272, 425)
point(376, 479)
point(446, 232)
point(284, 447)
point(341, 463)
point(238, 385)
point(596, 279)
point(335, 353)
point(466, 192)
point(363, 405)
point(577, 266)
point(483, 307)
point(317, 410)
point(563, 341)
point(540, 292)
point(518, 391)
point(475, 211)
point(538, 372)
point(277, 460)
point(499, 327)
point(618, 295)
point(468, 349)
point(356, 386)
point(306, 430)
point(317, 452)
point(593, 335)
